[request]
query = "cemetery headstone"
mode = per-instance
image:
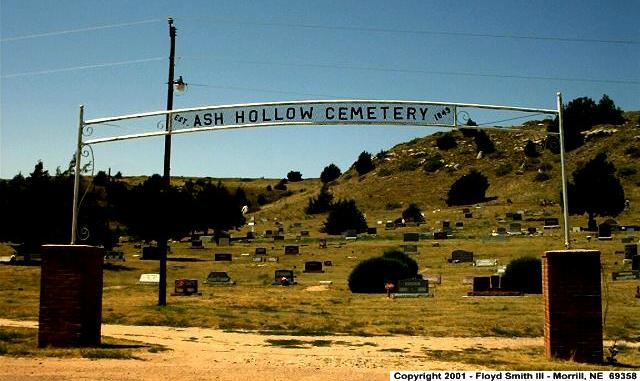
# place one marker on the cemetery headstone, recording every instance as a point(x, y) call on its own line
point(113, 256)
point(219, 278)
point(576, 229)
point(389, 226)
point(465, 210)
point(459, 224)
point(509, 215)
point(350, 234)
point(435, 279)
point(304, 233)
point(197, 244)
point(495, 282)
point(411, 249)
point(626, 275)
point(221, 257)
point(411, 237)
point(551, 223)
point(224, 241)
point(149, 279)
point(517, 216)
point(459, 256)
point(532, 230)
point(284, 277)
point(292, 249)
point(150, 253)
point(372, 231)
point(261, 251)
point(485, 262)
point(446, 225)
point(515, 228)
point(628, 239)
point(502, 230)
point(323, 243)
point(604, 232)
point(468, 279)
point(413, 287)
point(268, 233)
point(481, 283)
point(328, 263)
point(273, 259)
point(630, 250)
point(313, 267)
point(635, 262)
point(258, 259)
point(251, 235)
point(468, 215)
point(185, 287)
point(439, 235)
point(280, 230)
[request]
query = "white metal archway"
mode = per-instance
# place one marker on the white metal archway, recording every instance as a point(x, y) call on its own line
point(313, 112)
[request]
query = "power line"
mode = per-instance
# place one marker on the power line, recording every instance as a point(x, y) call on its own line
point(418, 71)
point(79, 30)
point(84, 67)
point(421, 32)
point(261, 90)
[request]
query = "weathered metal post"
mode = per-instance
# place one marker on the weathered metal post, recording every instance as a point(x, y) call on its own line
point(565, 198)
point(76, 179)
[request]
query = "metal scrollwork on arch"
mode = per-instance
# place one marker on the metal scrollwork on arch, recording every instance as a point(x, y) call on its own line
point(87, 130)
point(87, 151)
point(463, 118)
point(84, 234)
point(161, 125)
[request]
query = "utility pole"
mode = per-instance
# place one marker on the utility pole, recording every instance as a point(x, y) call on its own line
point(163, 245)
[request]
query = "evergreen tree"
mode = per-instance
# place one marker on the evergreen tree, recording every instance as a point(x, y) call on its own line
point(344, 216)
point(329, 173)
point(468, 189)
point(364, 164)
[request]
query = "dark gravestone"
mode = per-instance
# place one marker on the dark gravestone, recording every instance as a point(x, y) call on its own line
point(261, 251)
point(532, 230)
point(251, 235)
point(278, 237)
point(328, 263)
point(313, 267)
point(630, 250)
point(287, 274)
point(280, 230)
point(459, 224)
point(292, 249)
point(258, 259)
point(216, 278)
point(410, 248)
point(220, 257)
point(411, 237)
point(185, 287)
point(509, 215)
point(273, 259)
point(350, 233)
point(372, 231)
point(413, 286)
point(268, 233)
point(635, 262)
point(466, 210)
point(439, 235)
point(459, 256)
point(481, 283)
point(224, 241)
point(515, 228)
point(446, 225)
point(304, 233)
point(323, 243)
point(389, 226)
point(495, 282)
point(197, 244)
point(551, 222)
point(150, 253)
point(468, 215)
point(604, 232)
point(517, 216)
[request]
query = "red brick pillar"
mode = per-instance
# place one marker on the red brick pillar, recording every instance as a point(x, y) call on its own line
point(572, 305)
point(70, 296)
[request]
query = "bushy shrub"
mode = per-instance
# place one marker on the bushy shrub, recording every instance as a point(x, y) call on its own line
point(294, 176)
point(504, 169)
point(345, 215)
point(400, 256)
point(468, 189)
point(484, 143)
point(531, 149)
point(541, 176)
point(433, 164)
point(364, 164)
point(409, 164)
point(370, 275)
point(320, 204)
point(281, 185)
point(446, 141)
point(413, 213)
point(329, 173)
point(523, 274)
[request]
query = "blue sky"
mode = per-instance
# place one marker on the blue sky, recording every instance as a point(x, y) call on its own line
point(493, 52)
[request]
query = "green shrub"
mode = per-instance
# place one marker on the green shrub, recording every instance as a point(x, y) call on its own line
point(329, 173)
point(344, 216)
point(446, 141)
point(320, 204)
point(523, 274)
point(468, 189)
point(370, 275)
point(364, 164)
point(409, 164)
point(504, 169)
point(531, 149)
point(484, 143)
point(541, 176)
point(384, 172)
point(433, 164)
point(413, 214)
point(400, 256)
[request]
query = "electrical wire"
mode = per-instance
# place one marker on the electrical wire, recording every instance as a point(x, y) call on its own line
point(79, 30)
point(83, 67)
point(262, 90)
point(414, 31)
point(415, 71)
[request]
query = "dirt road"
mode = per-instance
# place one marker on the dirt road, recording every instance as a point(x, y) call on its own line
point(209, 354)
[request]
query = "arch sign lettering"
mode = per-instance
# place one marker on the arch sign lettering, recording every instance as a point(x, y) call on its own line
point(313, 112)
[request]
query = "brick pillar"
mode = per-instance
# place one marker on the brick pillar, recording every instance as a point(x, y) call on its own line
point(572, 305)
point(70, 296)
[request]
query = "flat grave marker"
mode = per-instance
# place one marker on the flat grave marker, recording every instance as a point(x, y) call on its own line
point(328, 263)
point(485, 262)
point(411, 237)
point(261, 251)
point(412, 288)
point(435, 279)
point(551, 223)
point(625, 275)
point(258, 259)
point(222, 257)
point(459, 225)
point(468, 279)
point(372, 231)
point(273, 259)
point(410, 249)
point(304, 233)
point(149, 279)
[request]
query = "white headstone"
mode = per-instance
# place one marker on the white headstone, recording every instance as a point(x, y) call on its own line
point(149, 279)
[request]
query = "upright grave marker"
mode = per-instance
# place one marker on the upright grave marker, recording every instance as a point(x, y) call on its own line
point(313, 267)
point(222, 257)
